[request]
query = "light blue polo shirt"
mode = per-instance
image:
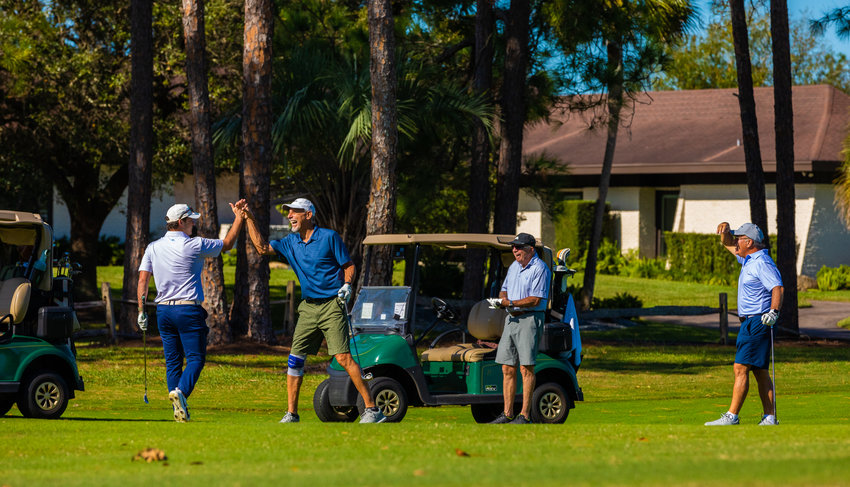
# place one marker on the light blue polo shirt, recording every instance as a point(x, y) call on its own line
point(176, 262)
point(758, 277)
point(531, 280)
point(317, 262)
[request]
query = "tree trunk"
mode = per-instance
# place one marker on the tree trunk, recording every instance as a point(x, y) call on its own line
point(615, 104)
point(785, 192)
point(478, 213)
point(238, 317)
point(382, 196)
point(212, 278)
point(749, 122)
point(257, 156)
point(513, 109)
point(136, 234)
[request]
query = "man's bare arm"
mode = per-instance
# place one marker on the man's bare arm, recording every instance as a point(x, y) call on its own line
point(348, 272)
point(776, 295)
point(260, 244)
point(142, 289)
point(726, 238)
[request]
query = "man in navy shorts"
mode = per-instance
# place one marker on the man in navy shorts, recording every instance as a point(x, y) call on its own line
point(176, 261)
point(760, 293)
point(325, 271)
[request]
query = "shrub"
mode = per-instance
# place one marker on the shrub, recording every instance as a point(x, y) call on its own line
point(833, 278)
point(700, 257)
point(619, 301)
point(573, 221)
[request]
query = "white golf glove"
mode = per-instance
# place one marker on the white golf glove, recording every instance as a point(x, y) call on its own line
point(142, 321)
point(344, 292)
point(495, 303)
point(770, 317)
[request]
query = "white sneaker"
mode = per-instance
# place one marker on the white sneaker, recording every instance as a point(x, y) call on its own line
point(181, 409)
point(372, 415)
point(768, 420)
point(726, 420)
point(290, 418)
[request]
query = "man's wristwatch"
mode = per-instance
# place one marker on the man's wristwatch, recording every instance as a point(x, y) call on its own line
point(510, 304)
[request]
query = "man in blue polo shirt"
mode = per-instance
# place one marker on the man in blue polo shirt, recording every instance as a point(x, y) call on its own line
point(524, 294)
point(176, 261)
point(320, 260)
point(760, 293)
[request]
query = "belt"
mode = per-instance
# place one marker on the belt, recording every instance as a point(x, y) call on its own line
point(517, 314)
point(319, 300)
point(746, 317)
point(181, 302)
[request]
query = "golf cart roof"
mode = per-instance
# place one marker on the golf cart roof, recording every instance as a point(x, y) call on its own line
point(8, 216)
point(449, 240)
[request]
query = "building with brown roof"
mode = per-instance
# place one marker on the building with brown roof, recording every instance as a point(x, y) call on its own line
point(679, 165)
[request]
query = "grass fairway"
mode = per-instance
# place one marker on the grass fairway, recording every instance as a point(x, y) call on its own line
point(641, 424)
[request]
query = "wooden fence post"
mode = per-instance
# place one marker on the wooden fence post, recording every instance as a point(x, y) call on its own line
point(289, 325)
point(106, 295)
point(724, 319)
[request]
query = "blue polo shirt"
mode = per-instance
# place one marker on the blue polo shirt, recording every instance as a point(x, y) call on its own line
point(531, 280)
point(176, 261)
point(317, 262)
point(758, 277)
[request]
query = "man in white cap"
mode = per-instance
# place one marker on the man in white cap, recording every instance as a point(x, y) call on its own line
point(524, 294)
point(176, 261)
point(760, 293)
point(325, 271)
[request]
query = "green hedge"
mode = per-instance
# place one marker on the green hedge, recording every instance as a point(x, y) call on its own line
point(834, 278)
point(700, 257)
point(573, 222)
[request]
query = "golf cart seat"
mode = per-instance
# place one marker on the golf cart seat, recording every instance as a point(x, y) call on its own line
point(14, 300)
point(483, 323)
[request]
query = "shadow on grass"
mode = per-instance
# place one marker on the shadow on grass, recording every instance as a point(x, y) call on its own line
point(105, 420)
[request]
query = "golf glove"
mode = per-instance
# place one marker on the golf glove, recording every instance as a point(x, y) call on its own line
point(143, 321)
point(344, 292)
point(495, 303)
point(770, 317)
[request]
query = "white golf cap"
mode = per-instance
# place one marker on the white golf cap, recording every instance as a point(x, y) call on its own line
point(301, 204)
point(179, 212)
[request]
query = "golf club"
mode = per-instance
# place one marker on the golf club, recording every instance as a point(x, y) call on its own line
point(363, 376)
point(145, 347)
point(773, 366)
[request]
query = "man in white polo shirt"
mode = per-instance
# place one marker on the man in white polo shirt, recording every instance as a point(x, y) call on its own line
point(176, 261)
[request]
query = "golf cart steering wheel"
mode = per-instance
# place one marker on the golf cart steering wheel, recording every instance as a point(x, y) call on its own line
point(445, 311)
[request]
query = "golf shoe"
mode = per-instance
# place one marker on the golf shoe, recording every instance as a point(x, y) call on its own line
point(726, 420)
point(181, 409)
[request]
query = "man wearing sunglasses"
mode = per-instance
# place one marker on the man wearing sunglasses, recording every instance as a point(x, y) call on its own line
point(760, 293)
point(176, 261)
point(524, 294)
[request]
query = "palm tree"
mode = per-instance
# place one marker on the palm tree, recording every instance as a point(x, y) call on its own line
point(382, 196)
point(141, 154)
point(513, 105)
point(632, 36)
point(212, 278)
point(749, 122)
point(478, 215)
point(785, 193)
point(257, 160)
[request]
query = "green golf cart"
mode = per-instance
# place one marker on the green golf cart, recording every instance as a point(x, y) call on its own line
point(458, 372)
point(38, 366)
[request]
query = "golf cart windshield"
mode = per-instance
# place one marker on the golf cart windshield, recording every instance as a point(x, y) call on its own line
point(381, 309)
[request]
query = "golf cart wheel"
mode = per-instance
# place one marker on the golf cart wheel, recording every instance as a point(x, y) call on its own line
point(5, 406)
point(43, 396)
point(389, 396)
point(331, 414)
point(550, 404)
point(484, 413)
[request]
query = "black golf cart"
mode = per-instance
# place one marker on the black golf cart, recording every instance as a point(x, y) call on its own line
point(460, 373)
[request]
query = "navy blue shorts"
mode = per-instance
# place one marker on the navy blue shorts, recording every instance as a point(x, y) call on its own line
point(753, 344)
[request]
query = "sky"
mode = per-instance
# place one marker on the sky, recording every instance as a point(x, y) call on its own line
point(809, 9)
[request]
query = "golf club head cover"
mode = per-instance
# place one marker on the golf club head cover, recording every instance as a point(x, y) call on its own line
point(296, 365)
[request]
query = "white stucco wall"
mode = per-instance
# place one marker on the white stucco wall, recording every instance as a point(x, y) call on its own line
point(828, 240)
point(227, 191)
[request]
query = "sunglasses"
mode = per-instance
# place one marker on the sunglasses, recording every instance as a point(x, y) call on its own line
point(520, 247)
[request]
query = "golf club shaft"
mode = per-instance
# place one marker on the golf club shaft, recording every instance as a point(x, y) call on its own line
point(773, 366)
point(353, 341)
point(145, 353)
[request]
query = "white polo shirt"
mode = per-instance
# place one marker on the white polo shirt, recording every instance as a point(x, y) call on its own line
point(176, 262)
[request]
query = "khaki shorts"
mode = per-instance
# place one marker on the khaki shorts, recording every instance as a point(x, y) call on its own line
point(519, 339)
point(318, 320)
